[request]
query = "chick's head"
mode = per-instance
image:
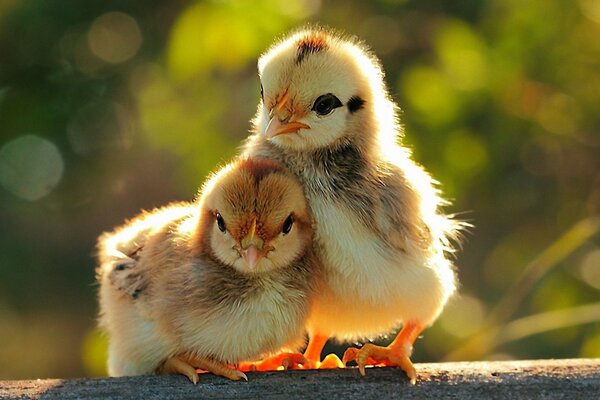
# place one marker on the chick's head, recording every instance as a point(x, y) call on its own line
point(254, 217)
point(319, 89)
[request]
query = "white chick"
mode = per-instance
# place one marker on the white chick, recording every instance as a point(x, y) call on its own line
point(211, 283)
point(379, 232)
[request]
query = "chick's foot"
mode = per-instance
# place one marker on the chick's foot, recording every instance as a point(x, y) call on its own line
point(371, 354)
point(281, 361)
point(396, 354)
point(187, 366)
point(175, 366)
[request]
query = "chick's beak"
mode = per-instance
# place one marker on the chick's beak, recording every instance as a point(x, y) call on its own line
point(251, 256)
point(251, 248)
point(279, 125)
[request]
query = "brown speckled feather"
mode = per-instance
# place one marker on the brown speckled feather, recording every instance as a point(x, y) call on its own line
point(187, 291)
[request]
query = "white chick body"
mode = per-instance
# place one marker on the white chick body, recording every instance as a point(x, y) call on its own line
point(379, 232)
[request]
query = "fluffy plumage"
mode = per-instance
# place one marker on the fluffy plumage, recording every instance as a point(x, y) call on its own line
point(379, 231)
point(218, 281)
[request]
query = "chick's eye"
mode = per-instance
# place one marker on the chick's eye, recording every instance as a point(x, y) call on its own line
point(326, 103)
point(262, 93)
point(220, 223)
point(287, 225)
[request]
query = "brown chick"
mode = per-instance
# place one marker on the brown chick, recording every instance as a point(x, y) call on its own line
point(379, 232)
point(208, 284)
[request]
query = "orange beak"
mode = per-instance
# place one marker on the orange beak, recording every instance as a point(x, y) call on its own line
point(252, 247)
point(279, 126)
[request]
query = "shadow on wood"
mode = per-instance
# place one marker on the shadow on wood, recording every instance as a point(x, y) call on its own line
point(556, 379)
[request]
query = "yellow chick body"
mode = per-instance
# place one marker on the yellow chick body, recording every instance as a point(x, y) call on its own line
point(379, 232)
point(209, 284)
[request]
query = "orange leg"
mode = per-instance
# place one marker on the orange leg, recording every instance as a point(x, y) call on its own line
point(396, 354)
point(409, 333)
point(313, 354)
point(315, 347)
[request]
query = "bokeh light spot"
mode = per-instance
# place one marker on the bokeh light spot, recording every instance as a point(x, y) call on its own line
point(184, 123)
point(205, 37)
point(430, 95)
point(114, 37)
point(463, 316)
point(559, 114)
point(590, 269)
point(30, 167)
point(466, 152)
point(463, 56)
point(226, 35)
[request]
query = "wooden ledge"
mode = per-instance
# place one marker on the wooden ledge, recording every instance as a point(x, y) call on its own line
point(539, 379)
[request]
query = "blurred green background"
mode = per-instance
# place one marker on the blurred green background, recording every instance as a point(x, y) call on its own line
point(109, 107)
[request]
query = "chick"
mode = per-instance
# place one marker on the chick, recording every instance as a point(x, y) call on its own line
point(379, 232)
point(208, 284)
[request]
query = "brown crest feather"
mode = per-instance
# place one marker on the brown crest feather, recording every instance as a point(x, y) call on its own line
point(314, 42)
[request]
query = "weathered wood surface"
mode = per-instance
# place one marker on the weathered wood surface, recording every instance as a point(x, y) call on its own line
point(540, 379)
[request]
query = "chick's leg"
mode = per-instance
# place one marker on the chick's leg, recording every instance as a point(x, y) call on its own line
point(187, 365)
point(313, 354)
point(315, 346)
point(396, 354)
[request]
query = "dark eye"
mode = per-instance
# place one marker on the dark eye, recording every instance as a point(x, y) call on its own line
point(287, 225)
point(325, 104)
point(262, 93)
point(220, 223)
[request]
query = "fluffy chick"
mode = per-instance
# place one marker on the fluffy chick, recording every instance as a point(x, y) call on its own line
point(211, 283)
point(379, 232)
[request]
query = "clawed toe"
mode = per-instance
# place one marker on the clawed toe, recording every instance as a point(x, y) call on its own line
point(175, 365)
point(187, 365)
point(371, 354)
